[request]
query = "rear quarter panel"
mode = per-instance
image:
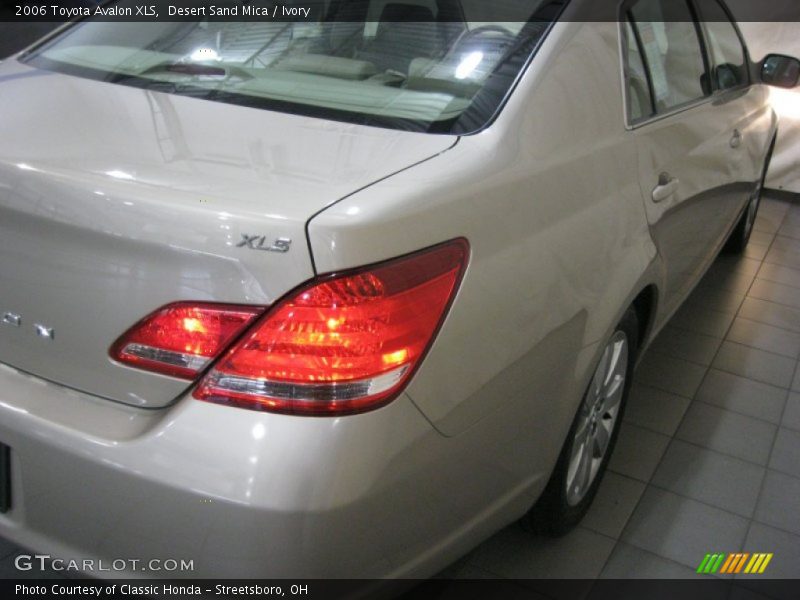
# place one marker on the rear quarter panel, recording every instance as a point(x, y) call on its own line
point(549, 200)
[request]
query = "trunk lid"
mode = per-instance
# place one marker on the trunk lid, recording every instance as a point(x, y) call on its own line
point(115, 201)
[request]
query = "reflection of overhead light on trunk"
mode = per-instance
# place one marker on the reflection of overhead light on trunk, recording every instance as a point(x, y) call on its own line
point(119, 174)
point(468, 65)
point(786, 103)
point(202, 54)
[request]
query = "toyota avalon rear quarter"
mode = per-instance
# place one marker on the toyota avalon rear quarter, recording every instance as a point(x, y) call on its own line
point(344, 299)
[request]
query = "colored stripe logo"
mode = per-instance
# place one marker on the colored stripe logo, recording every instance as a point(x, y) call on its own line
point(736, 562)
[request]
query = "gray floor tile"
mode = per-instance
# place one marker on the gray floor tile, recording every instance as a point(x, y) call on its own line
point(789, 230)
point(777, 202)
point(681, 529)
point(688, 345)
point(728, 432)
point(732, 262)
point(613, 504)
point(767, 223)
point(630, 562)
point(796, 382)
point(762, 238)
point(786, 243)
point(755, 364)
point(756, 251)
point(516, 554)
point(780, 274)
point(734, 281)
point(791, 416)
point(706, 297)
point(638, 452)
point(775, 292)
point(771, 314)
point(670, 374)
point(778, 503)
point(655, 409)
point(783, 256)
point(784, 546)
point(786, 454)
point(765, 337)
point(761, 226)
point(742, 395)
point(709, 322)
point(710, 477)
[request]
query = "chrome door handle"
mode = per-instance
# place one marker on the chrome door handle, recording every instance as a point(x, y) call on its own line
point(667, 185)
point(736, 140)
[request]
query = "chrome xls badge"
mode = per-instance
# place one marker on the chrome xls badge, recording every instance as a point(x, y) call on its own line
point(259, 242)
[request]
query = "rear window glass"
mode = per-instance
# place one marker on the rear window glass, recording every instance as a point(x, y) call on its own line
point(425, 65)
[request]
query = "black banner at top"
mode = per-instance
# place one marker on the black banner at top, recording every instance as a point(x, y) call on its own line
point(321, 10)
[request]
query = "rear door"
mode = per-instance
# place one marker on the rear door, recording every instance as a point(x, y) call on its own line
point(744, 106)
point(690, 137)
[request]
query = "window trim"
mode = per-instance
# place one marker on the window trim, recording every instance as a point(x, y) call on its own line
point(713, 96)
point(746, 51)
point(645, 63)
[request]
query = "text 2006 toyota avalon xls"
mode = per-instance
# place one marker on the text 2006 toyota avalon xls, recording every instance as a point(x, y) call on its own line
point(343, 298)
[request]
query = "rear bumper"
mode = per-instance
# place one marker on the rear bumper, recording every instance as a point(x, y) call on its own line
point(244, 494)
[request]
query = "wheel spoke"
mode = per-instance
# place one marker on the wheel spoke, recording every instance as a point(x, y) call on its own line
point(582, 433)
point(614, 365)
point(578, 450)
point(583, 472)
point(601, 437)
point(574, 464)
point(599, 379)
point(614, 396)
point(615, 383)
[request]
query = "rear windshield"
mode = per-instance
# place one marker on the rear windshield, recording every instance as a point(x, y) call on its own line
point(441, 66)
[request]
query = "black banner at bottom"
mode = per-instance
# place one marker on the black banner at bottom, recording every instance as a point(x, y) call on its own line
point(434, 589)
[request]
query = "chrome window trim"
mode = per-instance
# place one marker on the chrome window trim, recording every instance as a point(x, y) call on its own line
point(714, 96)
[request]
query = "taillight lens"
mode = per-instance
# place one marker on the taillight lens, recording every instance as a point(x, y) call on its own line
point(181, 339)
point(343, 344)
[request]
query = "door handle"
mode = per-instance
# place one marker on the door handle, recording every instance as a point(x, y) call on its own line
point(736, 140)
point(667, 185)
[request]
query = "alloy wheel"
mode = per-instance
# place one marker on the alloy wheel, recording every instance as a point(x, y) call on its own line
point(597, 419)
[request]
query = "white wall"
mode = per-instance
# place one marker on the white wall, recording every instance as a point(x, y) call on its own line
point(781, 38)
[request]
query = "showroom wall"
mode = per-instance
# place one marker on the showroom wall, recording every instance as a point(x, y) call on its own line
point(763, 39)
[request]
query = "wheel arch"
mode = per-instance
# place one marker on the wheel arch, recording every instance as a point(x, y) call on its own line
point(645, 304)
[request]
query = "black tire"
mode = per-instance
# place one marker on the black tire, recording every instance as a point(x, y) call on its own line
point(553, 515)
point(740, 236)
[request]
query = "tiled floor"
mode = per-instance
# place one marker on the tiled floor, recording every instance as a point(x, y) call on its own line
point(708, 458)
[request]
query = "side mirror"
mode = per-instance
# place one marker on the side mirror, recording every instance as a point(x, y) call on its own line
point(780, 71)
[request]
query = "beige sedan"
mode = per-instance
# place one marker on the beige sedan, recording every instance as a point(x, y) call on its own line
point(342, 298)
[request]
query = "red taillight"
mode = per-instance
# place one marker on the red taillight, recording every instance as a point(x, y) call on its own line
point(343, 344)
point(181, 339)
